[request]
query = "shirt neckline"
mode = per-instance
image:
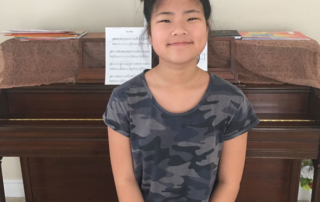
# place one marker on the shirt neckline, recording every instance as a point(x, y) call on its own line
point(154, 101)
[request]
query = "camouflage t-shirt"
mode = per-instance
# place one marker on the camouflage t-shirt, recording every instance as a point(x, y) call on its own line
point(176, 155)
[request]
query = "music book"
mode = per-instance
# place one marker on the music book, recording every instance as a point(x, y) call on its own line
point(283, 35)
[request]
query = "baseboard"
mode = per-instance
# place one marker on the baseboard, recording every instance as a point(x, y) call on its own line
point(13, 188)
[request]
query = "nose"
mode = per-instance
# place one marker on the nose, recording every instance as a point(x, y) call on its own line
point(179, 29)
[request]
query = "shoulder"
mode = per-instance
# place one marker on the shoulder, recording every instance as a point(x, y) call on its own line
point(130, 92)
point(226, 90)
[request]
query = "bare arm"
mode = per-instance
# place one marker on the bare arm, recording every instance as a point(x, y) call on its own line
point(230, 170)
point(122, 168)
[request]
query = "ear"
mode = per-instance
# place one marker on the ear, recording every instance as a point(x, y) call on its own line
point(150, 39)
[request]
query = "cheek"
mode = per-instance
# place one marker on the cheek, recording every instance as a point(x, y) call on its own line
point(159, 40)
point(200, 32)
point(201, 35)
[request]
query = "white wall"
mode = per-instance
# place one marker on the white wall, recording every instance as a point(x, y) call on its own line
point(95, 15)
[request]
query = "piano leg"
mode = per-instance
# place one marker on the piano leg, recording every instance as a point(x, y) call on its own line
point(316, 181)
point(2, 196)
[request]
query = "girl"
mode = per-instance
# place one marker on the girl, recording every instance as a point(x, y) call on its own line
point(167, 125)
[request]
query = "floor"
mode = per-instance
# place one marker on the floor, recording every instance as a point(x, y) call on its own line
point(9, 199)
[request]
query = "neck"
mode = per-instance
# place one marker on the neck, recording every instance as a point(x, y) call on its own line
point(173, 75)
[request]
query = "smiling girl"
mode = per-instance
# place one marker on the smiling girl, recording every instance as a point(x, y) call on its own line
point(167, 125)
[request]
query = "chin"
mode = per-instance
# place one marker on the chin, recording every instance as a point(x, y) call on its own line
point(181, 58)
point(184, 61)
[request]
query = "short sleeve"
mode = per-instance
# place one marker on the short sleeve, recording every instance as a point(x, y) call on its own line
point(115, 116)
point(242, 121)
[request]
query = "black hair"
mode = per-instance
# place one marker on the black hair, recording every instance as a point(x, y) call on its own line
point(151, 5)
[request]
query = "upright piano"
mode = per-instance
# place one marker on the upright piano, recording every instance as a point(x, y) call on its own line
point(58, 132)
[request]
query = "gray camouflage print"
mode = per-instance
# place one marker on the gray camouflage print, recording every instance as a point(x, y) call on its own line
point(176, 155)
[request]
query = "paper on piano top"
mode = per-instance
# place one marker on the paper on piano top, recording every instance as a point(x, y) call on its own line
point(203, 60)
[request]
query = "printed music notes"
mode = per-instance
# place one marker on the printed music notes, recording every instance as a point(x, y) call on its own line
point(203, 62)
point(127, 54)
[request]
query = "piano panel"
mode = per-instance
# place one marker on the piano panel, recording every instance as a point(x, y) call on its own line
point(4, 109)
point(70, 179)
point(279, 103)
point(57, 105)
point(73, 103)
point(265, 180)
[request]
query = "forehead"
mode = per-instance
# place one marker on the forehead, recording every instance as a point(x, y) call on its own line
point(176, 6)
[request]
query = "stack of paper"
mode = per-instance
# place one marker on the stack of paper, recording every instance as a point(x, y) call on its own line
point(27, 35)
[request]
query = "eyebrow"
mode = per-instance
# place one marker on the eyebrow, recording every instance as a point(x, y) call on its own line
point(186, 12)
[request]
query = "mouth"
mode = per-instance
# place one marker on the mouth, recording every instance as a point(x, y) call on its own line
point(180, 44)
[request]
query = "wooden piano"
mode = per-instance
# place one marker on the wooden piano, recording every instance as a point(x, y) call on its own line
point(58, 133)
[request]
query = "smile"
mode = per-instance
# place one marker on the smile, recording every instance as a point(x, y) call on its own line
point(179, 44)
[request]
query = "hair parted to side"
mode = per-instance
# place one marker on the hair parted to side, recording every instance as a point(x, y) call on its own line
point(151, 5)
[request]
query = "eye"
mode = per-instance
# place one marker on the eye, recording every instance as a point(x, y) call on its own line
point(164, 20)
point(192, 18)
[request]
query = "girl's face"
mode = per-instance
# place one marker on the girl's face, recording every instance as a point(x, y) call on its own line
point(178, 21)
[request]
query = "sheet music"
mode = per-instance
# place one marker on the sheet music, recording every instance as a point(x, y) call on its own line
point(125, 57)
point(203, 62)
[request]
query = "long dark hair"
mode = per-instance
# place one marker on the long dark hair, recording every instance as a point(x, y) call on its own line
point(151, 5)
